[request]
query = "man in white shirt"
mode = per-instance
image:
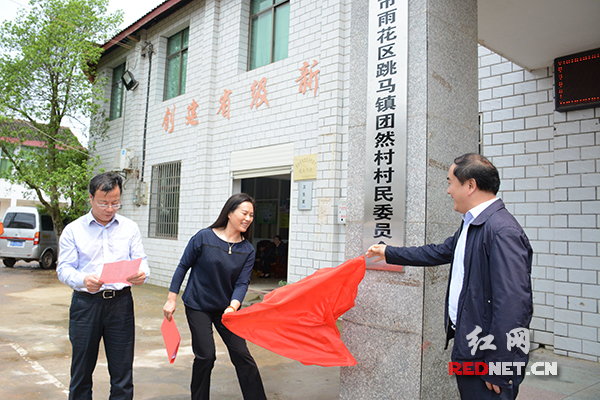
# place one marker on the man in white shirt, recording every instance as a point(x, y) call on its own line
point(98, 310)
point(489, 298)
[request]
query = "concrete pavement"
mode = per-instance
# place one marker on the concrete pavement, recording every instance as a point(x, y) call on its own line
point(35, 349)
point(35, 352)
point(576, 379)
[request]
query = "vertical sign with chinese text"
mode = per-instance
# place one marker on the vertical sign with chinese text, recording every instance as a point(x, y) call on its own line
point(385, 181)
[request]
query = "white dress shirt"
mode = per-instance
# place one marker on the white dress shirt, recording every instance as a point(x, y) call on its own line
point(86, 245)
point(458, 265)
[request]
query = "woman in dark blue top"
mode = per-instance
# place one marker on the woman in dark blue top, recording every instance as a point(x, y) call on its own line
point(221, 259)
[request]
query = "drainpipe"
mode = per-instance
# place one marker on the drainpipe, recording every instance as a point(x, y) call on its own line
point(148, 49)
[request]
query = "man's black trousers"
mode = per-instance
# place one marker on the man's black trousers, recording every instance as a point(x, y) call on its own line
point(93, 317)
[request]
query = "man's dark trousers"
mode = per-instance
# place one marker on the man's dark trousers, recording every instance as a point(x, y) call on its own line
point(473, 387)
point(93, 317)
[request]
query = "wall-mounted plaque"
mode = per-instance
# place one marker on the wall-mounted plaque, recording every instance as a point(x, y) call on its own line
point(305, 167)
point(386, 128)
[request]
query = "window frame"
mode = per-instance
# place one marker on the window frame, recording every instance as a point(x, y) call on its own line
point(114, 85)
point(165, 194)
point(168, 57)
point(271, 8)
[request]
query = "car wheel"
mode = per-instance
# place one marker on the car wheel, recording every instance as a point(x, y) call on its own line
point(47, 260)
point(9, 262)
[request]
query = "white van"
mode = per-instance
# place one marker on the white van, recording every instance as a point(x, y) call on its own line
point(28, 236)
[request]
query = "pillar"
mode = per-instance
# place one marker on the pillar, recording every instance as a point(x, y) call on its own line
point(396, 329)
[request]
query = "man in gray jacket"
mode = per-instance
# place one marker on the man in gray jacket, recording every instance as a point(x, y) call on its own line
point(489, 299)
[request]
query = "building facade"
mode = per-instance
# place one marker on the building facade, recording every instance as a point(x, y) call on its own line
point(213, 114)
point(232, 128)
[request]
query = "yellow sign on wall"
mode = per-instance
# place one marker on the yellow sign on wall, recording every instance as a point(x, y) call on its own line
point(305, 167)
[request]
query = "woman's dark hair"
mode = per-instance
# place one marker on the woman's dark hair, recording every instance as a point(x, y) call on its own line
point(231, 205)
point(106, 182)
point(476, 166)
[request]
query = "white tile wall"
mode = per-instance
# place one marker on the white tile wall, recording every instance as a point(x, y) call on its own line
point(549, 165)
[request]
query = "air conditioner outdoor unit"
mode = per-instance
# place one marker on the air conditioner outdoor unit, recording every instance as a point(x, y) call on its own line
point(123, 160)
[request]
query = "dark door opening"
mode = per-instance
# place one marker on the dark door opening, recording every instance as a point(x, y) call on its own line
point(271, 224)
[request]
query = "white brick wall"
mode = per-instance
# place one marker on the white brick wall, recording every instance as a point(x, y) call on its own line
point(218, 52)
point(549, 165)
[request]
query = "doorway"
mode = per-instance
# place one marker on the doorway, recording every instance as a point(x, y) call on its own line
point(271, 219)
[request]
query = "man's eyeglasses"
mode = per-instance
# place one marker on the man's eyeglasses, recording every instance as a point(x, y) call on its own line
point(107, 206)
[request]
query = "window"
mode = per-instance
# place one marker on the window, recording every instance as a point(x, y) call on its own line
point(116, 93)
point(177, 55)
point(5, 164)
point(270, 27)
point(19, 220)
point(21, 153)
point(47, 224)
point(164, 200)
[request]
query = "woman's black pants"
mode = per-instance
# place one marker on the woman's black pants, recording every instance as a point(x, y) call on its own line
point(203, 345)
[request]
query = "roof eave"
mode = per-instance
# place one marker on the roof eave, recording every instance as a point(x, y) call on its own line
point(157, 14)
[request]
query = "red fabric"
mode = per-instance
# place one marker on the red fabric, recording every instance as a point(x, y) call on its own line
point(298, 320)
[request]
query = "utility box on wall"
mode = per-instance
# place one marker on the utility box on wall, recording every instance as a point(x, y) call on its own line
point(143, 193)
point(342, 210)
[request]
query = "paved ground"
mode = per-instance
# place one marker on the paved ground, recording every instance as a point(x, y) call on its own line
point(576, 379)
point(35, 349)
point(35, 352)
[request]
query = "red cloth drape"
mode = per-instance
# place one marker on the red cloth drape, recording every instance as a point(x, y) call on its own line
point(298, 320)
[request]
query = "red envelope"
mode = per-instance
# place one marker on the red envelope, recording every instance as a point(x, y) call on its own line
point(118, 272)
point(298, 320)
point(171, 337)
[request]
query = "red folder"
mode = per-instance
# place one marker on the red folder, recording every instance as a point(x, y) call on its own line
point(298, 321)
point(171, 337)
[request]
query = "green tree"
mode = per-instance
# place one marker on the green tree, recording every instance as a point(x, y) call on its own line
point(46, 68)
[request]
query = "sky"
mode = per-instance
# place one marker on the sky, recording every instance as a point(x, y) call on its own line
point(133, 9)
